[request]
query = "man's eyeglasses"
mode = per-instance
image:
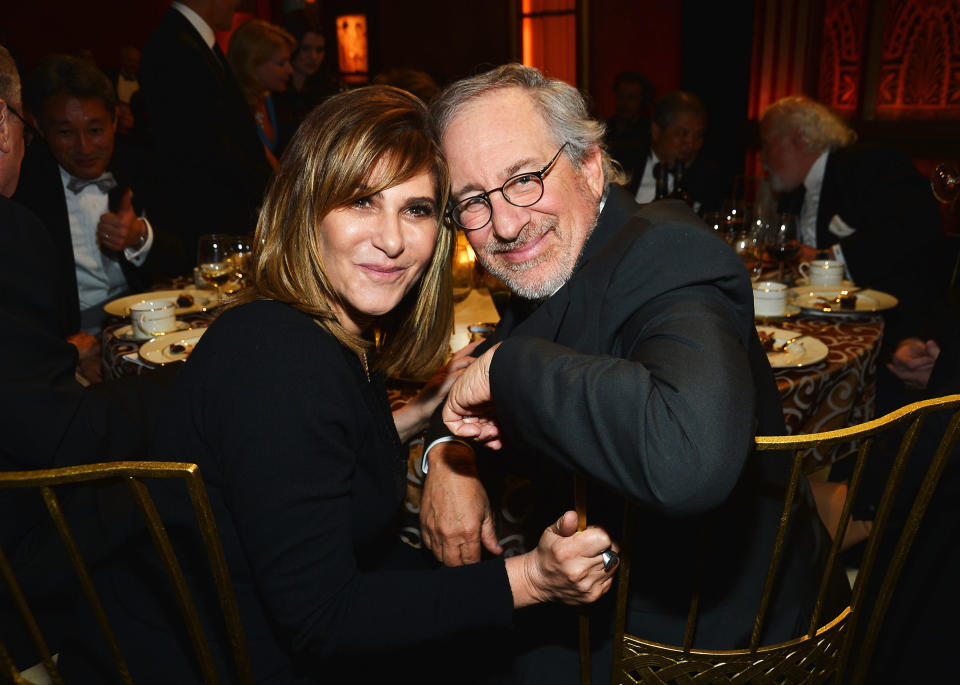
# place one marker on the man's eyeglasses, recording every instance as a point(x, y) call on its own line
point(29, 132)
point(522, 190)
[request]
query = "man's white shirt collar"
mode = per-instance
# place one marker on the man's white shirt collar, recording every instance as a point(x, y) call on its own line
point(814, 178)
point(202, 27)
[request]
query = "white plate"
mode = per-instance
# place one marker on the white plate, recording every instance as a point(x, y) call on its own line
point(817, 299)
point(845, 284)
point(157, 351)
point(201, 300)
point(801, 352)
point(126, 332)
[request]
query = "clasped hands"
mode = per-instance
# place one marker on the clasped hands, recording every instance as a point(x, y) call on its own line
point(457, 521)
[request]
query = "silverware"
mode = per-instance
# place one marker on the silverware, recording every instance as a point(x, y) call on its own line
point(787, 343)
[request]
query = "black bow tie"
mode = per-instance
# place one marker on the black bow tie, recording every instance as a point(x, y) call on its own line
point(105, 182)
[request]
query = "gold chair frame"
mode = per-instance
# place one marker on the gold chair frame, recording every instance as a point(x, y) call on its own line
point(824, 653)
point(133, 473)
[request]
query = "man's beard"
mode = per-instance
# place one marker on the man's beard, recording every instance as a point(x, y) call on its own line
point(561, 257)
point(777, 184)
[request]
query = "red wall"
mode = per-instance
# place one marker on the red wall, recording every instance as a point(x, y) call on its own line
point(32, 28)
point(633, 35)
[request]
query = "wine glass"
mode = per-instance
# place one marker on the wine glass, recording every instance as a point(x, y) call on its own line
point(716, 223)
point(780, 241)
point(241, 258)
point(747, 244)
point(213, 259)
point(945, 183)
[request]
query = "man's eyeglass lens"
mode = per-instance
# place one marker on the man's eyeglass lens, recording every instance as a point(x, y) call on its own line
point(522, 190)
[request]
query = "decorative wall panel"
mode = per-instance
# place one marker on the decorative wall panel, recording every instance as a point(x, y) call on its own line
point(842, 56)
point(919, 74)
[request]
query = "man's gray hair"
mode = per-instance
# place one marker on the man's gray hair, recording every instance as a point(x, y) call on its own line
point(818, 126)
point(9, 79)
point(563, 107)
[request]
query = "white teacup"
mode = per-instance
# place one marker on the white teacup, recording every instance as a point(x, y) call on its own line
point(153, 317)
point(822, 272)
point(769, 298)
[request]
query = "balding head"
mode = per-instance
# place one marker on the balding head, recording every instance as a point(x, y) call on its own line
point(11, 125)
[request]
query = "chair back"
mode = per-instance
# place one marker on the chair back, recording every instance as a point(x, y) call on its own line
point(832, 649)
point(135, 476)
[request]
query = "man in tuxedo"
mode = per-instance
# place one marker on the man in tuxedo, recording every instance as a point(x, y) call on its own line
point(89, 192)
point(204, 132)
point(866, 206)
point(628, 355)
point(676, 135)
point(48, 418)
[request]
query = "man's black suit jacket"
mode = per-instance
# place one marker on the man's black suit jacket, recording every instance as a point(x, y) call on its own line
point(41, 190)
point(703, 180)
point(204, 133)
point(645, 373)
point(878, 191)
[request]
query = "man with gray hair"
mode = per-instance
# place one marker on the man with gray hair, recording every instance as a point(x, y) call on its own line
point(866, 206)
point(628, 355)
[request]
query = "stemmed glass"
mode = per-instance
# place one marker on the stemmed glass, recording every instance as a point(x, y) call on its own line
point(747, 244)
point(780, 241)
point(945, 183)
point(213, 259)
point(241, 258)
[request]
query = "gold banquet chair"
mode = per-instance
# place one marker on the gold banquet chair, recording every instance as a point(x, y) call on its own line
point(134, 474)
point(833, 650)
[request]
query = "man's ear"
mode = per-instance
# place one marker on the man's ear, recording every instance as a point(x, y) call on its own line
point(591, 170)
point(5, 116)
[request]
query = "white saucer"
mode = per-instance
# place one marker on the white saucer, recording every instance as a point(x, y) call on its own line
point(126, 332)
point(791, 310)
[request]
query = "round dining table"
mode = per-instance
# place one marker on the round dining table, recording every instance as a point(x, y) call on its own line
point(838, 391)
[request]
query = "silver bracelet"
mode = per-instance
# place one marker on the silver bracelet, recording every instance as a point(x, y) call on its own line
point(424, 465)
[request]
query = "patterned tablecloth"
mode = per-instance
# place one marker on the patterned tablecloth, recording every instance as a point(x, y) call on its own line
point(840, 390)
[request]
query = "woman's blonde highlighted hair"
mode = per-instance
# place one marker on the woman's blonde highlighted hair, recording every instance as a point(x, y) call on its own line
point(253, 44)
point(329, 164)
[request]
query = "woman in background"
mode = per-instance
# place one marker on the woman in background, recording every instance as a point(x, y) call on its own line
point(259, 54)
point(310, 84)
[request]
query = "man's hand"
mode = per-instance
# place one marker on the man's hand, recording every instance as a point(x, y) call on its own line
point(913, 361)
point(88, 350)
point(123, 228)
point(566, 566)
point(469, 411)
point(455, 515)
point(807, 253)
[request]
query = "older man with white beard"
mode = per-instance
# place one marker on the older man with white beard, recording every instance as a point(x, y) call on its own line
point(864, 205)
point(628, 355)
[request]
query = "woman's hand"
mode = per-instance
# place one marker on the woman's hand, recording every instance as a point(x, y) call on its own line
point(566, 566)
point(413, 417)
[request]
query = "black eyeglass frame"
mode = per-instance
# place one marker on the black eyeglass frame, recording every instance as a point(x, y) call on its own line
point(29, 132)
point(485, 195)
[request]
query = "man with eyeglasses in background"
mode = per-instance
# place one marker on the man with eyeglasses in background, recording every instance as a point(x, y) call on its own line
point(628, 355)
